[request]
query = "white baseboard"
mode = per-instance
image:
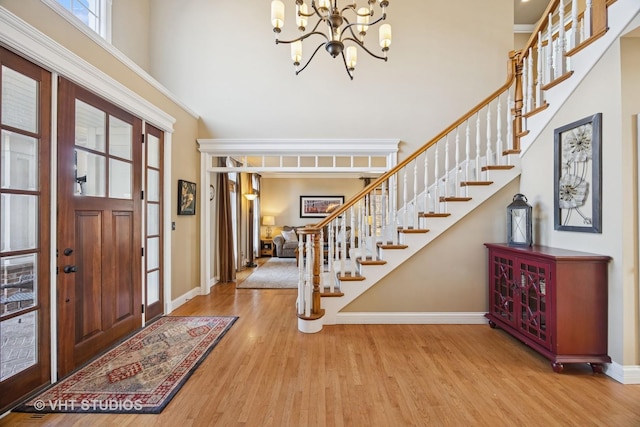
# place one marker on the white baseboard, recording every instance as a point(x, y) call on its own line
point(182, 299)
point(629, 374)
point(461, 318)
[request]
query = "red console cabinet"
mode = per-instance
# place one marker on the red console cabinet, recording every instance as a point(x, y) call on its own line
point(553, 300)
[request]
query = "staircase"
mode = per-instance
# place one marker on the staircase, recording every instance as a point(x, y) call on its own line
point(451, 175)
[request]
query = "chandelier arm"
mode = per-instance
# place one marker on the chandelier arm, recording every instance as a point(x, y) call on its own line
point(316, 11)
point(350, 26)
point(302, 38)
point(349, 7)
point(359, 43)
point(346, 67)
point(314, 54)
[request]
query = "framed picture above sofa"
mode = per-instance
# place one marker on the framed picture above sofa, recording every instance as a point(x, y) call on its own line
point(319, 206)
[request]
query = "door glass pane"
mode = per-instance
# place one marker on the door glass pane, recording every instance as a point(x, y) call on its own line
point(90, 174)
point(153, 253)
point(19, 161)
point(90, 127)
point(18, 286)
point(19, 348)
point(153, 219)
point(153, 151)
point(153, 287)
point(19, 100)
point(19, 218)
point(119, 179)
point(153, 185)
point(120, 138)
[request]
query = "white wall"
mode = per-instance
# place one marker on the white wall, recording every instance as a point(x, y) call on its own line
point(130, 30)
point(220, 58)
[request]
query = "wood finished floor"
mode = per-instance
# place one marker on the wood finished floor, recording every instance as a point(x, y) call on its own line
point(266, 373)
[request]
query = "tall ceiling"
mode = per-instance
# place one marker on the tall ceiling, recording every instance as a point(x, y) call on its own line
point(527, 12)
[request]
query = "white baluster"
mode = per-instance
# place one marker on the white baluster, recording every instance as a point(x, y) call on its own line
point(530, 80)
point(405, 201)
point(456, 182)
point(550, 72)
point(383, 209)
point(574, 25)
point(352, 240)
point(489, 154)
point(526, 91)
point(560, 62)
point(427, 207)
point(308, 279)
point(467, 159)
point(499, 132)
point(447, 190)
point(361, 234)
point(301, 275)
point(586, 21)
point(478, 167)
point(509, 123)
point(343, 244)
point(393, 203)
point(540, 77)
point(436, 195)
point(415, 194)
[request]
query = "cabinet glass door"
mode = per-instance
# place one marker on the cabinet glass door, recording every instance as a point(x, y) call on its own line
point(502, 287)
point(533, 299)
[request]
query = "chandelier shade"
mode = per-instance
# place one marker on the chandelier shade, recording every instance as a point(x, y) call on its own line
point(336, 26)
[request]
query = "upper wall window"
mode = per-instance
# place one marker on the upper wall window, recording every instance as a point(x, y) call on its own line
point(95, 14)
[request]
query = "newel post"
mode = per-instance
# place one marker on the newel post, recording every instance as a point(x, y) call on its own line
point(309, 318)
point(518, 63)
point(598, 17)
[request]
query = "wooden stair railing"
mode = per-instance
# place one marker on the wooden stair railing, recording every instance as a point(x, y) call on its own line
point(441, 171)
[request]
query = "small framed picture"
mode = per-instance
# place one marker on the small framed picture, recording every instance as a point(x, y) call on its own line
point(319, 206)
point(186, 197)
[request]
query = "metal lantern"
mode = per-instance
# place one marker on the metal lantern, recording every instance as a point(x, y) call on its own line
point(519, 222)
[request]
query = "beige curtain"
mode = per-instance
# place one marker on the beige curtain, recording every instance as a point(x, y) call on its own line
point(225, 228)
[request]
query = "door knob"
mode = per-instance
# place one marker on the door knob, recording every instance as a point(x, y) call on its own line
point(70, 269)
point(67, 251)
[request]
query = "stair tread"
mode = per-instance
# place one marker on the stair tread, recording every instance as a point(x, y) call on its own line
point(497, 167)
point(349, 278)
point(371, 261)
point(472, 183)
point(455, 199)
point(391, 246)
point(434, 215)
point(413, 230)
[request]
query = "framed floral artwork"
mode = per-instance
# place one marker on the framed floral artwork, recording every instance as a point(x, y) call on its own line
point(577, 176)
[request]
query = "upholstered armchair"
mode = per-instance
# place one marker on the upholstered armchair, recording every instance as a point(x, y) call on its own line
point(286, 246)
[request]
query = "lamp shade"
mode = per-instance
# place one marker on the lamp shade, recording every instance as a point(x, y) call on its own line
point(251, 196)
point(268, 220)
point(519, 222)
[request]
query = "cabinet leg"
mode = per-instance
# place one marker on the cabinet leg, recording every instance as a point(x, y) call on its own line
point(492, 324)
point(596, 368)
point(557, 367)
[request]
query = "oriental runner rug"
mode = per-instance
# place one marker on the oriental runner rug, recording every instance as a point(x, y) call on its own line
point(141, 375)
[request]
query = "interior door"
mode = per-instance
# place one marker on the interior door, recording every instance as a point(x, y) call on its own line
point(99, 243)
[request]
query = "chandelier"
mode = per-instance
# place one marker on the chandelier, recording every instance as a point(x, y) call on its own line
point(339, 29)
